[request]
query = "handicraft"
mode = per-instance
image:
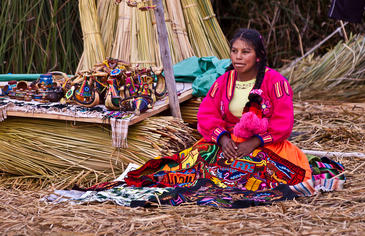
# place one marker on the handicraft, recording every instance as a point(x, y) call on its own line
point(45, 89)
point(117, 85)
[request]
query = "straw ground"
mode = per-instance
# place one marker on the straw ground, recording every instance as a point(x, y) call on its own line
point(319, 126)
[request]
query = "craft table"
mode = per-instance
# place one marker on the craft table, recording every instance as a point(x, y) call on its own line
point(184, 94)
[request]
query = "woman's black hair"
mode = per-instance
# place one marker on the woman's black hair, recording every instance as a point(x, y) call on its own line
point(255, 39)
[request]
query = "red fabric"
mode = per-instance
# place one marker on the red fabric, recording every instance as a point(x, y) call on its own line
point(292, 153)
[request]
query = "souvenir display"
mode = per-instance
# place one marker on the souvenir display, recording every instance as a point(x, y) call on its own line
point(45, 89)
point(117, 85)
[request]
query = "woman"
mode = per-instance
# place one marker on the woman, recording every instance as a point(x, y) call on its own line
point(250, 81)
point(265, 159)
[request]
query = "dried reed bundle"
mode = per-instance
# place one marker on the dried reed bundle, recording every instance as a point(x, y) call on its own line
point(144, 39)
point(108, 16)
point(136, 40)
point(175, 12)
point(339, 74)
point(57, 152)
point(136, 36)
point(122, 43)
point(174, 45)
point(196, 29)
point(189, 110)
point(94, 50)
point(214, 31)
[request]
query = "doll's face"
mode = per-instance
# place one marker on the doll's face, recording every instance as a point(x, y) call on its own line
point(243, 57)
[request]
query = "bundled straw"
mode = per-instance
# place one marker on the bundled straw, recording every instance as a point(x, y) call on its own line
point(108, 14)
point(196, 29)
point(178, 27)
point(122, 41)
point(339, 74)
point(57, 152)
point(189, 111)
point(143, 39)
point(94, 49)
point(192, 30)
point(214, 31)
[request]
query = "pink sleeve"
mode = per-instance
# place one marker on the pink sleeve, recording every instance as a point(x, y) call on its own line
point(282, 119)
point(210, 121)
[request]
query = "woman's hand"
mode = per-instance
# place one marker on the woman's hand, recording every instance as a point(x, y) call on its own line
point(248, 146)
point(229, 148)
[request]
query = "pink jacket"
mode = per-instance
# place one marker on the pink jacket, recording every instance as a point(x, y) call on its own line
point(215, 119)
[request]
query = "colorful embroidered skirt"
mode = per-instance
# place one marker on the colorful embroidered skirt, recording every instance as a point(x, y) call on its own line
point(201, 175)
point(262, 169)
point(198, 175)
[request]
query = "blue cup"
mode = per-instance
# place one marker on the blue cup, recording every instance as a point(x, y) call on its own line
point(46, 79)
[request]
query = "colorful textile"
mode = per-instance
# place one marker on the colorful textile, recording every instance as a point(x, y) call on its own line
point(260, 170)
point(326, 177)
point(206, 192)
point(214, 117)
point(119, 132)
point(292, 153)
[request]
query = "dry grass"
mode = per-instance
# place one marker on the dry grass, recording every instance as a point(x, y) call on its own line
point(330, 126)
point(339, 74)
point(22, 212)
point(335, 213)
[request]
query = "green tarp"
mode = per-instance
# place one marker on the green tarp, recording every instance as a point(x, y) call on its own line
point(19, 77)
point(202, 72)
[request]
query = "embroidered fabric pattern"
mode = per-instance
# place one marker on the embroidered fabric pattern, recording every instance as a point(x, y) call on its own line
point(205, 191)
point(245, 84)
point(262, 169)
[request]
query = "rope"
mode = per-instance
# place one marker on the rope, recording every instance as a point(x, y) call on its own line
point(209, 17)
point(191, 5)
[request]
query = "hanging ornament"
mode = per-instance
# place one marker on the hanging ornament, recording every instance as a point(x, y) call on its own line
point(146, 6)
point(132, 3)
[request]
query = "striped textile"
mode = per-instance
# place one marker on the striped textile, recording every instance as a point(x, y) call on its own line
point(3, 112)
point(119, 132)
point(326, 177)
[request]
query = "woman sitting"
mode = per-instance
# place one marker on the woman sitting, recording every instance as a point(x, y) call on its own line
point(245, 120)
point(250, 81)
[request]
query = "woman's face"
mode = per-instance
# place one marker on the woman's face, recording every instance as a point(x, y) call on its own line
point(243, 57)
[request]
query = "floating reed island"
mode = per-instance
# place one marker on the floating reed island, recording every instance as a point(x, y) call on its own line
point(339, 212)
